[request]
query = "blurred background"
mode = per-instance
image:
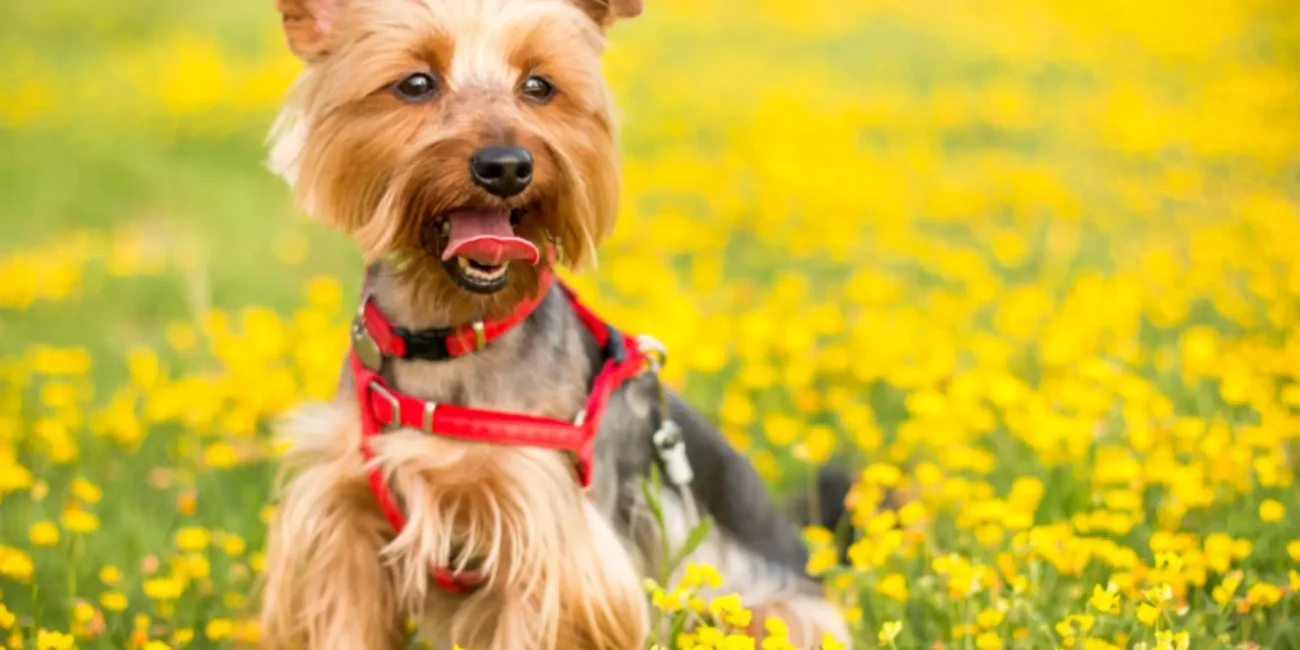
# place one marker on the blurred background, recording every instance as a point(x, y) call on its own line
point(1033, 265)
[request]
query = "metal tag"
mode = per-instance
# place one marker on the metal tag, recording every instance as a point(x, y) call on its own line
point(365, 346)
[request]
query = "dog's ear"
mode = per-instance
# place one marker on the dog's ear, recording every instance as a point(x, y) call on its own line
point(308, 24)
point(605, 12)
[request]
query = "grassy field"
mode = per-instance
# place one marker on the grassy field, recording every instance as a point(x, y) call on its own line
point(1035, 266)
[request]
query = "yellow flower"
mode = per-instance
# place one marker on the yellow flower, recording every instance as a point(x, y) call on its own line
point(16, 564)
point(192, 538)
point(83, 612)
point(699, 575)
point(1293, 550)
point(109, 574)
point(882, 475)
point(1105, 600)
point(156, 645)
point(818, 536)
point(988, 641)
point(730, 610)
point(888, 632)
point(183, 636)
point(1224, 592)
point(80, 521)
point(881, 522)
point(989, 618)
point(219, 628)
point(667, 602)
point(1293, 580)
point(1271, 510)
point(7, 617)
point(1169, 561)
point(1263, 594)
point(233, 545)
point(821, 561)
point(142, 365)
point(49, 640)
point(817, 446)
point(893, 585)
point(911, 514)
point(1074, 624)
point(221, 455)
point(1160, 594)
point(1167, 640)
point(829, 642)
point(43, 533)
point(163, 588)
point(113, 601)
point(1148, 614)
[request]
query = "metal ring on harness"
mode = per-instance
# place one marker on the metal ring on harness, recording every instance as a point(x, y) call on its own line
point(654, 350)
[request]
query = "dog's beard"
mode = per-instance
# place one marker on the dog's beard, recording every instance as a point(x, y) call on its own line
point(551, 567)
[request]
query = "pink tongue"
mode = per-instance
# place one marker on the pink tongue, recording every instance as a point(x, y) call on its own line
point(486, 237)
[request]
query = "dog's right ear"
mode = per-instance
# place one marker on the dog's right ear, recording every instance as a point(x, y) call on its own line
point(308, 25)
point(605, 12)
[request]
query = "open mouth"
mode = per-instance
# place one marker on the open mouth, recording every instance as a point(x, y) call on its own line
point(478, 246)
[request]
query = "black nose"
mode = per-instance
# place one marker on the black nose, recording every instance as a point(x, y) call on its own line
point(503, 171)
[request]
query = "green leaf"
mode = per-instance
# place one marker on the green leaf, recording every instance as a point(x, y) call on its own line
point(693, 541)
point(650, 491)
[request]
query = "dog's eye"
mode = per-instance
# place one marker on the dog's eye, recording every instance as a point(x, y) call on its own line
point(417, 87)
point(538, 89)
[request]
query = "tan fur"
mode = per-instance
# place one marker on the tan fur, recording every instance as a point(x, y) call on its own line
point(337, 578)
point(323, 586)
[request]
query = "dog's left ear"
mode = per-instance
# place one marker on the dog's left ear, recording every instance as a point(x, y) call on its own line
point(308, 25)
point(605, 12)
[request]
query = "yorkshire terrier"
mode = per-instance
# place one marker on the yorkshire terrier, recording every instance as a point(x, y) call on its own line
point(480, 478)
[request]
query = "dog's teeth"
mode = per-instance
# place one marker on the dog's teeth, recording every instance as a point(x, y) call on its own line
point(479, 273)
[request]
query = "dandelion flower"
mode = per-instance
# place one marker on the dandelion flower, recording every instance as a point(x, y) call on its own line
point(80, 521)
point(1271, 510)
point(113, 601)
point(988, 641)
point(43, 533)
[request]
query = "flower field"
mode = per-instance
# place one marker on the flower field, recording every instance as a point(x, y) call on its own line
point(1032, 267)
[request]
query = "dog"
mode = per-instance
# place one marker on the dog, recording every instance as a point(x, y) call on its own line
point(480, 477)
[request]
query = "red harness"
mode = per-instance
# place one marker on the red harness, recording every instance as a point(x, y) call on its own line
point(383, 408)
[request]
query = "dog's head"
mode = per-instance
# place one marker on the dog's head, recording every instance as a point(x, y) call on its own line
point(474, 136)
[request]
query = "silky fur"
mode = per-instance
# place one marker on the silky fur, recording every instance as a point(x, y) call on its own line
point(563, 568)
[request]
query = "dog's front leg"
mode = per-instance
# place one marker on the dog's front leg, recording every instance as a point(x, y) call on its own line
point(325, 585)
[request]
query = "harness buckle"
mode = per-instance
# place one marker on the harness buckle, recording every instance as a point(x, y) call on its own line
point(655, 351)
point(480, 336)
point(429, 408)
point(395, 406)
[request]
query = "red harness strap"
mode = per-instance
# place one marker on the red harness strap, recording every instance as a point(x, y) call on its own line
point(383, 408)
point(392, 341)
